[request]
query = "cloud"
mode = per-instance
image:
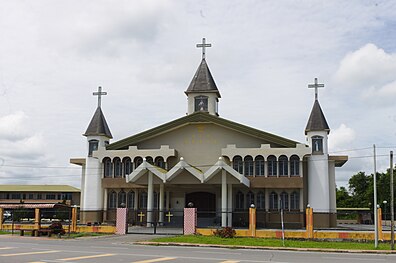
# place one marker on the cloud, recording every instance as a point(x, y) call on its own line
point(12, 126)
point(341, 138)
point(366, 67)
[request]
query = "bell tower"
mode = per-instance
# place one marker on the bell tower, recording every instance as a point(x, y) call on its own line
point(202, 93)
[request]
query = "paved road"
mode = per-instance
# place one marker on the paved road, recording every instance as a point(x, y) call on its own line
point(121, 249)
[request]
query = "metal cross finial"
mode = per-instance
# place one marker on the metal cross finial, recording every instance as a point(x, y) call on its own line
point(99, 94)
point(203, 46)
point(316, 85)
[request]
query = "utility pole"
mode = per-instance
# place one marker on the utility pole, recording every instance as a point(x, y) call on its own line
point(375, 201)
point(392, 203)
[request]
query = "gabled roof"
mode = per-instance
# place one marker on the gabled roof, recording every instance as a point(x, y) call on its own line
point(317, 120)
point(98, 125)
point(200, 117)
point(203, 80)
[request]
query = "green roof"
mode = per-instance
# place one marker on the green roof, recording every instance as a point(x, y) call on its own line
point(38, 188)
point(200, 117)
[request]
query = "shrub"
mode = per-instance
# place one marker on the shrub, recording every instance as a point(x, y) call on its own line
point(225, 232)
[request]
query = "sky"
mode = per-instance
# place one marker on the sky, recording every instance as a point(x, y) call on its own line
point(54, 54)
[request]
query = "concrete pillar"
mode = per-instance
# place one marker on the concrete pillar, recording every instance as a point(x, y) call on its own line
point(300, 170)
point(223, 198)
point(121, 221)
point(74, 219)
point(2, 217)
point(105, 201)
point(252, 222)
point(190, 221)
point(161, 203)
point(229, 205)
point(167, 200)
point(309, 222)
point(150, 199)
point(379, 218)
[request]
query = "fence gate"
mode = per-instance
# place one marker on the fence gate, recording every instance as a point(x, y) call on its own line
point(160, 222)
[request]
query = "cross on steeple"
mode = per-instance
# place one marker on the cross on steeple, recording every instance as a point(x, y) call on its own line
point(99, 94)
point(315, 86)
point(203, 46)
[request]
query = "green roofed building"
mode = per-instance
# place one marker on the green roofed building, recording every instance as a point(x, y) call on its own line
point(11, 194)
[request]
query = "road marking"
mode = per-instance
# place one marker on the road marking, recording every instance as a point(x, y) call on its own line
point(30, 253)
point(4, 248)
point(230, 261)
point(85, 257)
point(153, 260)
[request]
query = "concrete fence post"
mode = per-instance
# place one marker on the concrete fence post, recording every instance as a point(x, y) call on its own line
point(309, 222)
point(121, 221)
point(380, 233)
point(190, 221)
point(252, 221)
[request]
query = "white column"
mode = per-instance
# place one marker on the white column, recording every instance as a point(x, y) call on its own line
point(288, 167)
point(301, 172)
point(229, 201)
point(150, 199)
point(136, 201)
point(167, 200)
point(223, 198)
point(105, 200)
point(161, 203)
point(265, 168)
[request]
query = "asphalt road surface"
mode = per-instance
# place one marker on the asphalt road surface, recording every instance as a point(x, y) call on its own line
point(121, 249)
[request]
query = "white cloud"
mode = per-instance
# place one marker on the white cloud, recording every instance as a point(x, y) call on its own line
point(366, 67)
point(341, 138)
point(12, 126)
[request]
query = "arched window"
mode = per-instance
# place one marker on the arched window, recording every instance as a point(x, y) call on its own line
point(237, 164)
point(273, 202)
point(117, 167)
point(201, 103)
point(271, 165)
point(138, 161)
point(122, 199)
point(248, 166)
point(159, 161)
point(284, 199)
point(127, 166)
point(108, 167)
point(259, 164)
point(143, 200)
point(283, 169)
point(131, 199)
point(260, 203)
point(295, 201)
point(112, 199)
point(249, 199)
point(239, 200)
point(294, 165)
point(149, 160)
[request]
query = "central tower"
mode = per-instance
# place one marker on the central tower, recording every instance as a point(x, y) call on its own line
point(202, 93)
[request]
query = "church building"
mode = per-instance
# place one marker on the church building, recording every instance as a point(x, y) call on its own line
point(219, 166)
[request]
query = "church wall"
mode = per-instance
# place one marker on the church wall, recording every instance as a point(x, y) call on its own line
point(200, 144)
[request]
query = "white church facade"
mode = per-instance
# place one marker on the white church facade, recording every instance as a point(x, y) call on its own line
point(216, 165)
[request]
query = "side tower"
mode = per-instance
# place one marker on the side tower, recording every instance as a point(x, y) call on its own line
point(319, 180)
point(98, 135)
point(202, 93)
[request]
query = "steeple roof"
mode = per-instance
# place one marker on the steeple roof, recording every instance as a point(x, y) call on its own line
point(98, 125)
point(317, 120)
point(203, 80)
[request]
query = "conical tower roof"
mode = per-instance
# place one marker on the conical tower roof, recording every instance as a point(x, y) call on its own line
point(203, 81)
point(317, 120)
point(98, 125)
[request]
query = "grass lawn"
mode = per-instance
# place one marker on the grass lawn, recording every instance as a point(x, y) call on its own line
point(269, 242)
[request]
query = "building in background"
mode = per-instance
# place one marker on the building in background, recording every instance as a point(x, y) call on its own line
point(49, 194)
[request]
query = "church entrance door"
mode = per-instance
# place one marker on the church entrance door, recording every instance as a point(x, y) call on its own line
point(205, 203)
